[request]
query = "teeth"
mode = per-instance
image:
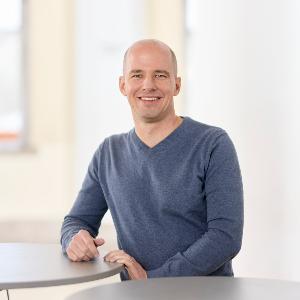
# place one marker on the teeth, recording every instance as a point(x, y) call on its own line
point(149, 99)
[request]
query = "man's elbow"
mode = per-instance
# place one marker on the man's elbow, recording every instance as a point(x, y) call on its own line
point(236, 245)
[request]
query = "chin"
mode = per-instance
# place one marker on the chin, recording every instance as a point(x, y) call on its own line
point(151, 119)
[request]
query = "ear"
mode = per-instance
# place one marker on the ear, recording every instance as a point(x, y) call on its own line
point(122, 85)
point(177, 85)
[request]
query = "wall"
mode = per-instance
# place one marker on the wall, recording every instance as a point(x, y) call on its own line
point(243, 75)
point(37, 183)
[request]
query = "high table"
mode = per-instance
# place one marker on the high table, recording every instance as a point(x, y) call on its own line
point(24, 265)
point(194, 288)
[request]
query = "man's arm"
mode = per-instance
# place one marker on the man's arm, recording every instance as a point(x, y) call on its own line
point(224, 197)
point(86, 213)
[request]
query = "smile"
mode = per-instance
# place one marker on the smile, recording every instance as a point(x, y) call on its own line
point(149, 98)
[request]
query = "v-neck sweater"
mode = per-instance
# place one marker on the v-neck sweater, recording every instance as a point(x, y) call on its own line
point(177, 207)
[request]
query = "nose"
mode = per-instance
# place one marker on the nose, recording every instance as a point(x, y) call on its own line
point(149, 84)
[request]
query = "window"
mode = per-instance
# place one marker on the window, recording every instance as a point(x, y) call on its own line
point(12, 106)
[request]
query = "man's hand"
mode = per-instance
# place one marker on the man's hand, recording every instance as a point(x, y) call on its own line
point(135, 270)
point(83, 247)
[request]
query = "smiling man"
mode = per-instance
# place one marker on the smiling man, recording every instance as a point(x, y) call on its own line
point(172, 184)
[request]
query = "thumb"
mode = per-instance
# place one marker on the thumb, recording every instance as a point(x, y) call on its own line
point(99, 242)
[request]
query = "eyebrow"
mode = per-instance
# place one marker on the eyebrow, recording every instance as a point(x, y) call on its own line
point(155, 71)
point(135, 71)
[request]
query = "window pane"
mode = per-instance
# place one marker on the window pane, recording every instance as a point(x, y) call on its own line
point(11, 74)
point(10, 15)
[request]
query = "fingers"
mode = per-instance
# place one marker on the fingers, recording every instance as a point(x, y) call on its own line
point(99, 242)
point(89, 244)
point(83, 247)
point(74, 257)
point(120, 256)
point(135, 270)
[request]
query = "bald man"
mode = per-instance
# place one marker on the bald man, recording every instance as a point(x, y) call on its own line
point(172, 184)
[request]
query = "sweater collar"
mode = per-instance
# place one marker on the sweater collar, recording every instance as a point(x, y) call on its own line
point(172, 138)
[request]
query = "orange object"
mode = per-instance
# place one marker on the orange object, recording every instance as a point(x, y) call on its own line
point(9, 136)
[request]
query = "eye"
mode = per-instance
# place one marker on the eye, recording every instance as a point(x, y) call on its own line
point(161, 76)
point(136, 76)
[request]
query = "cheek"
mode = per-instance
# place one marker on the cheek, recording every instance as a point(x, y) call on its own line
point(167, 88)
point(132, 89)
point(168, 92)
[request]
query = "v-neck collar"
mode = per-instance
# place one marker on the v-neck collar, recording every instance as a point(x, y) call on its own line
point(164, 144)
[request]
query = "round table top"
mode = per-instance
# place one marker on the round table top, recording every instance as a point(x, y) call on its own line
point(191, 288)
point(26, 265)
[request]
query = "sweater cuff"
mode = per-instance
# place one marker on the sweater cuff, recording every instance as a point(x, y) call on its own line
point(156, 273)
point(66, 239)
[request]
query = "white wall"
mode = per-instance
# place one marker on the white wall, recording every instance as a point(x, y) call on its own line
point(37, 182)
point(243, 75)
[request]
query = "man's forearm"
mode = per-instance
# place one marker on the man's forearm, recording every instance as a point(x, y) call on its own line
point(70, 227)
point(203, 257)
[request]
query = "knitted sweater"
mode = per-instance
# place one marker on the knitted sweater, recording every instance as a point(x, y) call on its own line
point(177, 207)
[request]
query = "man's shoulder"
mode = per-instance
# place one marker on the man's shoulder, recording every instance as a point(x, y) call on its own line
point(118, 138)
point(207, 138)
point(203, 130)
point(114, 141)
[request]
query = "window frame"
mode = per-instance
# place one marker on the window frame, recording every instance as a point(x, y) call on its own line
point(20, 143)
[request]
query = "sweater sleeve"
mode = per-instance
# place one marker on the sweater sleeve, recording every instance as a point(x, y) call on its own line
point(89, 207)
point(224, 199)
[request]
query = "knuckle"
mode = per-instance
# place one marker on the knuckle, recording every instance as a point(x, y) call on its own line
point(76, 237)
point(71, 256)
point(81, 257)
point(90, 243)
point(82, 233)
point(89, 254)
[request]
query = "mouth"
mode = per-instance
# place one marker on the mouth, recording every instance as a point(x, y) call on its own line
point(149, 99)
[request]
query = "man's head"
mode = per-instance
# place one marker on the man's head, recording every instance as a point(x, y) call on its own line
point(150, 80)
point(153, 42)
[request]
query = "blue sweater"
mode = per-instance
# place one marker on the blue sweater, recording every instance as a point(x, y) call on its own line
point(177, 207)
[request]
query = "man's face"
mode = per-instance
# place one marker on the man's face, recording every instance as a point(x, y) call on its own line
point(149, 82)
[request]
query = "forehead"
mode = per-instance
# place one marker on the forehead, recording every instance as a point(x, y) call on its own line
point(148, 57)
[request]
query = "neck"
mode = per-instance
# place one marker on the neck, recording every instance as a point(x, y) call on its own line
point(152, 133)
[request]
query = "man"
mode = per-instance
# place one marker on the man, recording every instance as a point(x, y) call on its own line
point(172, 185)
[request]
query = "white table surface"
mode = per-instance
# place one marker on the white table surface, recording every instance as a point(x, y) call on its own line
point(194, 288)
point(24, 265)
